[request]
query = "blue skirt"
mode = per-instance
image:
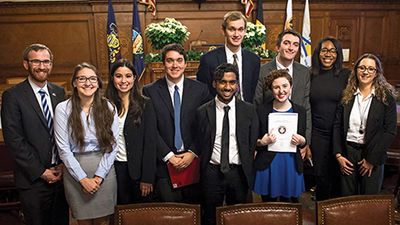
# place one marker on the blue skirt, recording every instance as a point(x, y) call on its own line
point(280, 179)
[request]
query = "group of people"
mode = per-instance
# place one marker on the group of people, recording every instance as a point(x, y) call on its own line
point(91, 152)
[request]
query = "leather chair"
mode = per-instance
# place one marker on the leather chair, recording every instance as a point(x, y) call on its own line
point(358, 209)
point(157, 213)
point(270, 213)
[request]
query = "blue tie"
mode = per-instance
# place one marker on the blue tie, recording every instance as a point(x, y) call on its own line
point(49, 120)
point(177, 116)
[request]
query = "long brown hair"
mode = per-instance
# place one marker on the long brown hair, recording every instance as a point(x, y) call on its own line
point(380, 85)
point(101, 113)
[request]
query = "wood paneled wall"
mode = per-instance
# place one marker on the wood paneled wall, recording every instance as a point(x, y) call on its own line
point(75, 31)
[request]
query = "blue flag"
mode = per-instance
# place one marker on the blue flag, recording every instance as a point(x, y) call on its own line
point(137, 43)
point(114, 49)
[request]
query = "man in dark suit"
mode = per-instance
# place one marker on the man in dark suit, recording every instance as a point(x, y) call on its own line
point(248, 64)
point(29, 136)
point(227, 136)
point(175, 99)
point(288, 44)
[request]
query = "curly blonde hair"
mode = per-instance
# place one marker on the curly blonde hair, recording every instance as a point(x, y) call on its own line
point(381, 86)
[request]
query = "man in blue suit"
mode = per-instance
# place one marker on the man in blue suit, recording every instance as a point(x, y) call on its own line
point(247, 63)
point(175, 99)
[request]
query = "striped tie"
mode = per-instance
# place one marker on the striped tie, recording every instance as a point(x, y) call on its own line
point(235, 64)
point(49, 120)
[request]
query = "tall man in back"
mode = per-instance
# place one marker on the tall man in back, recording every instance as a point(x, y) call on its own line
point(288, 44)
point(27, 116)
point(175, 99)
point(228, 131)
point(234, 27)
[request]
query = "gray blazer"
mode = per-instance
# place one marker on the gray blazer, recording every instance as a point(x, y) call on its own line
point(300, 90)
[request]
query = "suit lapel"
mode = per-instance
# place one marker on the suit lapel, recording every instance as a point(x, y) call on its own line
point(221, 56)
point(53, 96)
point(294, 78)
point(245, 82)
point(31, 97)
point(165, 96)
point(346, 115)
point(371, 117)
point(211, 115)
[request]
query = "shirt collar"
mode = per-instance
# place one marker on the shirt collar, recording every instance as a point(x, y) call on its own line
point(36, 88)
point(281, 67)
point(358, 92)
point(220, 105)
point(229, 53)
point(171, 84)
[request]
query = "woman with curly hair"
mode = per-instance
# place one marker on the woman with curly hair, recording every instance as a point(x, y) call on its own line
point(364, 127)
point(86, 130)
point(135, 164)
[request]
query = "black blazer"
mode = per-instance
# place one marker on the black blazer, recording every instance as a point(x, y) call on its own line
point(380, 129)
point(141, 145)
point(194, 95)
point(25, 132)
point(246, 133)
point(250, 70)
point(264, 158)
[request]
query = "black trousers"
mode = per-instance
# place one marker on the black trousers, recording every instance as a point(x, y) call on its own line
point(128, 191)
point(188, 194)
point(45, 204)
point(355, 184)
point(216, 186)
point(326, 168)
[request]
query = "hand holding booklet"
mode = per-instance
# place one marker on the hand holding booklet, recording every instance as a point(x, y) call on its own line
point(284, 125)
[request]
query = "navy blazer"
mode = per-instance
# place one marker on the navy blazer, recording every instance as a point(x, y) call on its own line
point(250, 70)
point(25, 132)
point(194, 95)
point(246, 134)
point(380, 130)
point(140, 142)
point(300, 89)
point(264, 158)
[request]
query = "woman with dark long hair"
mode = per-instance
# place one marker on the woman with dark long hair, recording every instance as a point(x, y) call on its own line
point(135, 164)
point(365, 127)
point(86, 130)
point(328, 80)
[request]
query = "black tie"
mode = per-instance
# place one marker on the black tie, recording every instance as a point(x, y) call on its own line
point(225, 142)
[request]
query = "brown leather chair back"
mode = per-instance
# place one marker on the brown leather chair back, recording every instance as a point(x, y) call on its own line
point(270, 213)
point(359, 209)
point(157, 213)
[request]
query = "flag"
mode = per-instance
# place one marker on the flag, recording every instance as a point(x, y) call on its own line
point(260, 18)
point(289, 17)
point(151, 5)
point(305, 57)
point(114, 49)
point(137, 42)
point(249, 7)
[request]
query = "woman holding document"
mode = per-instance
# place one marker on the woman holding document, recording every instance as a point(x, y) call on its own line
point(364, 128)
point(279, 172)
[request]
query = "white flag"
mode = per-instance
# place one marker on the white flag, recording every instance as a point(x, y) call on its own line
point(289, 17)
point(305, 57)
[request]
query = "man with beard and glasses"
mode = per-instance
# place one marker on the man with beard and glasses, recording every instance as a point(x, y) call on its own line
point(227, 136)
point(27, 118)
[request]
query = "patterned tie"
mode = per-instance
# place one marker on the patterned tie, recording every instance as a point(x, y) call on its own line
point(235, 64)
point(177, 116)
point(49, 120)
point(225, 142)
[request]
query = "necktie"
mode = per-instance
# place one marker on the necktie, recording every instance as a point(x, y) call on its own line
point(235, 64)
point(49, 120)
point(225, 142)
point(177, 116)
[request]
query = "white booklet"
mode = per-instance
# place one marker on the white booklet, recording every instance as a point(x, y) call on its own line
point(285, 125)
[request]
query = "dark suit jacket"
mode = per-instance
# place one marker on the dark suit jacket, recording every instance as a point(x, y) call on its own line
point(194, 95)
point(25, 132)
point(141, 143)
point(250, 70)
point(246, 133)
point(300, 90)
point(380, 129)
point(264, 158)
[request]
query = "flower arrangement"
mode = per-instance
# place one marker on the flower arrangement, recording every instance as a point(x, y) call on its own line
point(253, 39)
point(167, 32)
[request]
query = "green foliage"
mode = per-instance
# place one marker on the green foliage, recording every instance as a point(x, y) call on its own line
point(167, 32)
point(152, 57)
point(255, 35)
point(194, 55)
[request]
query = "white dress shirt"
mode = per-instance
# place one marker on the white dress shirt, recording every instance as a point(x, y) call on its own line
point(290, 70)
point(239, 60)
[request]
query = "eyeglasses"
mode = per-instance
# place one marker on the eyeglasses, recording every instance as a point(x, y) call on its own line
point(333, 51)
point(37, 62)
point(369, 69)
point(83, 79)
